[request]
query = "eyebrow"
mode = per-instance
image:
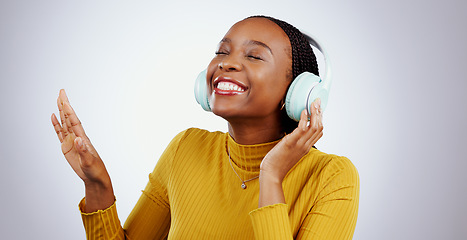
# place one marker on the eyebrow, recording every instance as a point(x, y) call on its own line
point(249, 42)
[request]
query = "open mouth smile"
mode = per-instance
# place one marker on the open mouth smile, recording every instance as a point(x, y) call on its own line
point(223, 86)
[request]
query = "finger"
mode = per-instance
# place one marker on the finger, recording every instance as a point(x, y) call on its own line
point(310, 131)
point(62, 115)
point(62, 95)
point(297, 137)
point(67, 121)
point(303, 120)
point(314, 119)
point(314, 139)
point(320, 120)
point(314, 115)
point(59, 103)
point(316, 125)
point(57, 127)
point(73, 120)
point(62, 120)
point(319, 114)
point(301, 130)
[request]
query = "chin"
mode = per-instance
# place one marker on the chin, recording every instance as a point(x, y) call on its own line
point(228, 113)
point(223, 107)
point(223, 112)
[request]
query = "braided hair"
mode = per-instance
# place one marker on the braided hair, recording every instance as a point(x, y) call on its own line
point(303, 60)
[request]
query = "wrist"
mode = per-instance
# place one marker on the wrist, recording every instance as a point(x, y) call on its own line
point(99, 196)
point(98, 185)
point(98, 190)
point(270, 189)
point(269, 177)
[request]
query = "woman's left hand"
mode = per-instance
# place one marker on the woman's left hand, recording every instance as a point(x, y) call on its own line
point(278, 162)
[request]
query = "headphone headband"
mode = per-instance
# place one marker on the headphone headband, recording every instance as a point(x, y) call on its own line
point(327, 80)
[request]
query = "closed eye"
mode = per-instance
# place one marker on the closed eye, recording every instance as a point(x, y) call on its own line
point(254, 57)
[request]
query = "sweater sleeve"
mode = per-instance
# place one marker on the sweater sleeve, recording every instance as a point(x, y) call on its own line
point(333, 215)
point(271, 222)
point(102, 224)
point(150, 218)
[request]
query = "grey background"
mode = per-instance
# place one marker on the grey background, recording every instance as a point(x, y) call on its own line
point(397, 105)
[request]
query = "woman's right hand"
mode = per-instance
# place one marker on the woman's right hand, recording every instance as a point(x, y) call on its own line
point(82, 156)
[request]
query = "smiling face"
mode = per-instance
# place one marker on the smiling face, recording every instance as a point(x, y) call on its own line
point(249, 77)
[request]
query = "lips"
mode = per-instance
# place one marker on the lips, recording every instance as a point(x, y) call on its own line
point(228, 86)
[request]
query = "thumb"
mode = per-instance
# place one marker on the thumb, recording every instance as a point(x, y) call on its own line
point(83, 149)
point(79, 145)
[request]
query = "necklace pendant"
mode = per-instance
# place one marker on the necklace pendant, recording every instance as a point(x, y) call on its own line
point(243, 185)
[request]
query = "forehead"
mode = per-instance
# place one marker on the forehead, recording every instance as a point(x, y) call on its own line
point(259, 29)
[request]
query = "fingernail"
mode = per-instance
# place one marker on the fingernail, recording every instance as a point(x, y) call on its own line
point(80, 143)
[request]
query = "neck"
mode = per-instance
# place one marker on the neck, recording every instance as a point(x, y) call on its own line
point(248, 133)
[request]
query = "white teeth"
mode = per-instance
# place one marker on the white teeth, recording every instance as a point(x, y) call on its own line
point(229, 86)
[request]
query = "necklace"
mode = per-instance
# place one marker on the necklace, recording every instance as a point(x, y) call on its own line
point(243, 182)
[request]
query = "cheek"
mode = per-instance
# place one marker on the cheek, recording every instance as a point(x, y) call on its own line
point(213, 64)
point(284, 77)
point(271, 91)
point(275, 82)
point(212, 67)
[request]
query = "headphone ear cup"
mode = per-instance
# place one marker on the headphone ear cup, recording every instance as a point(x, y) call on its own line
point(301, 89)
point(201, 91)
point(319, 92)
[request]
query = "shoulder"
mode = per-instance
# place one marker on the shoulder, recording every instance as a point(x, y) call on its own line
point(330, 166)
point(196, 134)
point(195, 138)
point(186, 143)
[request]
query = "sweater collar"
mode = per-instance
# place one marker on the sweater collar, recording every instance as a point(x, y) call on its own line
point(247, 157)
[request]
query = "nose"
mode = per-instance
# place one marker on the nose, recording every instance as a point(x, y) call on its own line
point(230, 63)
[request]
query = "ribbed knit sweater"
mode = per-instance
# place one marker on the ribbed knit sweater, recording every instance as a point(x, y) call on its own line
point(193, 193)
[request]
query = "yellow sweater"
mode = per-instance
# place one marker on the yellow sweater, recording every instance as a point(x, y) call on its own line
point(193, 193)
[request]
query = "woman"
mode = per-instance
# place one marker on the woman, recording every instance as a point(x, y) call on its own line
point(261, 180)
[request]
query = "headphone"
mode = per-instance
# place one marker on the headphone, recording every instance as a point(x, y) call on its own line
point(305, 88)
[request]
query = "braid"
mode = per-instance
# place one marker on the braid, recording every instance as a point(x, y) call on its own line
point(303, 60)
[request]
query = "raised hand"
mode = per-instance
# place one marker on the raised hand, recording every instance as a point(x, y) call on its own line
point(82, 156)
point(295, 145)
point(280, 159)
